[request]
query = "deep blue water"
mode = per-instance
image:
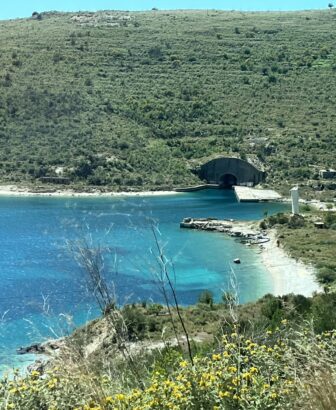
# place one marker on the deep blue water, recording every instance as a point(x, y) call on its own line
point(44, 291)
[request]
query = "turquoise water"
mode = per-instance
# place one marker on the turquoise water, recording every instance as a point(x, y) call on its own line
point(44, 292)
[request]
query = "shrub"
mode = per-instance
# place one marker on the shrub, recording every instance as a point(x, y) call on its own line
point(329, 219)
point(206, 297)
point(326, 275)
point(269, 371)
point(296, 221)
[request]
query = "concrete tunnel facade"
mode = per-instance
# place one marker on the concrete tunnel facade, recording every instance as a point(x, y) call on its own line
point(227, 171)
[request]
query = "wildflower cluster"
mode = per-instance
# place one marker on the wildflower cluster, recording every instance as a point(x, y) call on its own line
point(242, 374)
point(52, 390)
point(264, 373)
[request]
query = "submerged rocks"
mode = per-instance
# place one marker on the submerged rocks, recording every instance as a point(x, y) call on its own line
point(41, 348)
point(32, 349)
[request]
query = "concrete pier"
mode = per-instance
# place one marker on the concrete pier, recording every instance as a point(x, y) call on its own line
point(247, 194)
point(197, 188)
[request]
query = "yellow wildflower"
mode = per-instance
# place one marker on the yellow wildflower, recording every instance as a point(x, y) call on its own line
point(224, 394)
point(232, 369)
point(253, 370)
point(120, 397)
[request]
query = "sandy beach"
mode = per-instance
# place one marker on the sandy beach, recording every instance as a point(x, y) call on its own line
point(288, 275)
point(14, 190)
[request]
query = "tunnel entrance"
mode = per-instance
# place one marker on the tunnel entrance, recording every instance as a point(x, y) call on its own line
point(227, 181)
point(228, 171)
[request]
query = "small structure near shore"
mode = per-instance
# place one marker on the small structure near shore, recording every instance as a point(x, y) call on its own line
point(319, 224)
point(327, 173)
point(295, 200)
point(55, 180)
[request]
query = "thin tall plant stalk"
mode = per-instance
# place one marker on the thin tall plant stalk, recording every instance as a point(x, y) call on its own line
point(165, 276)
point(92, 261)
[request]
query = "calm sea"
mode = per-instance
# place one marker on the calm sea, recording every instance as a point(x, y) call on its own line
point(44, 291)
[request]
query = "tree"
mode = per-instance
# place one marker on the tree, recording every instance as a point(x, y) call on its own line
point(36, 15)
point(84, 169)
point(330, 5)
point(206, 297)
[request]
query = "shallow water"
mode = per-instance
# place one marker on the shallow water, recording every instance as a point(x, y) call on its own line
point(44, 291)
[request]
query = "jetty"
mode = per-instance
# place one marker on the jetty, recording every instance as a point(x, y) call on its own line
point(248, 194)
point(197, 188)
point(247, 232)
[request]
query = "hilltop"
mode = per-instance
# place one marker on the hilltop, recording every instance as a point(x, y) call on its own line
point(137, 99)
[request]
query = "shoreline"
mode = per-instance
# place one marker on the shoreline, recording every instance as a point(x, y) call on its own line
point(15, 191)
point(288, 275)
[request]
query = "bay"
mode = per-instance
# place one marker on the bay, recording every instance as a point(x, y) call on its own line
point(43, 291)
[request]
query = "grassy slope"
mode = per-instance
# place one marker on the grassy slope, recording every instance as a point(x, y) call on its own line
point(135, 104)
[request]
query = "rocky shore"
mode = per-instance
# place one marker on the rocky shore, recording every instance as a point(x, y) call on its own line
point(247, 232)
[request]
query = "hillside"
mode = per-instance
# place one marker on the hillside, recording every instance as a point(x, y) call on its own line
point(138, 99)
point(277, 353)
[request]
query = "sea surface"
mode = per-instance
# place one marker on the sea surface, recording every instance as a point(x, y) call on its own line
point(44, 292)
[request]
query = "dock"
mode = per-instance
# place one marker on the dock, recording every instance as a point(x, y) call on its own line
point(197, 188)
point(247, 194)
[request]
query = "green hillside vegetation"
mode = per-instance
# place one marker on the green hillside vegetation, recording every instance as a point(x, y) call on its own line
point(278, 353)
point(137, 100)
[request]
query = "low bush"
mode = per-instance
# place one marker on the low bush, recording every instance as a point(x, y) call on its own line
point(274, 370)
